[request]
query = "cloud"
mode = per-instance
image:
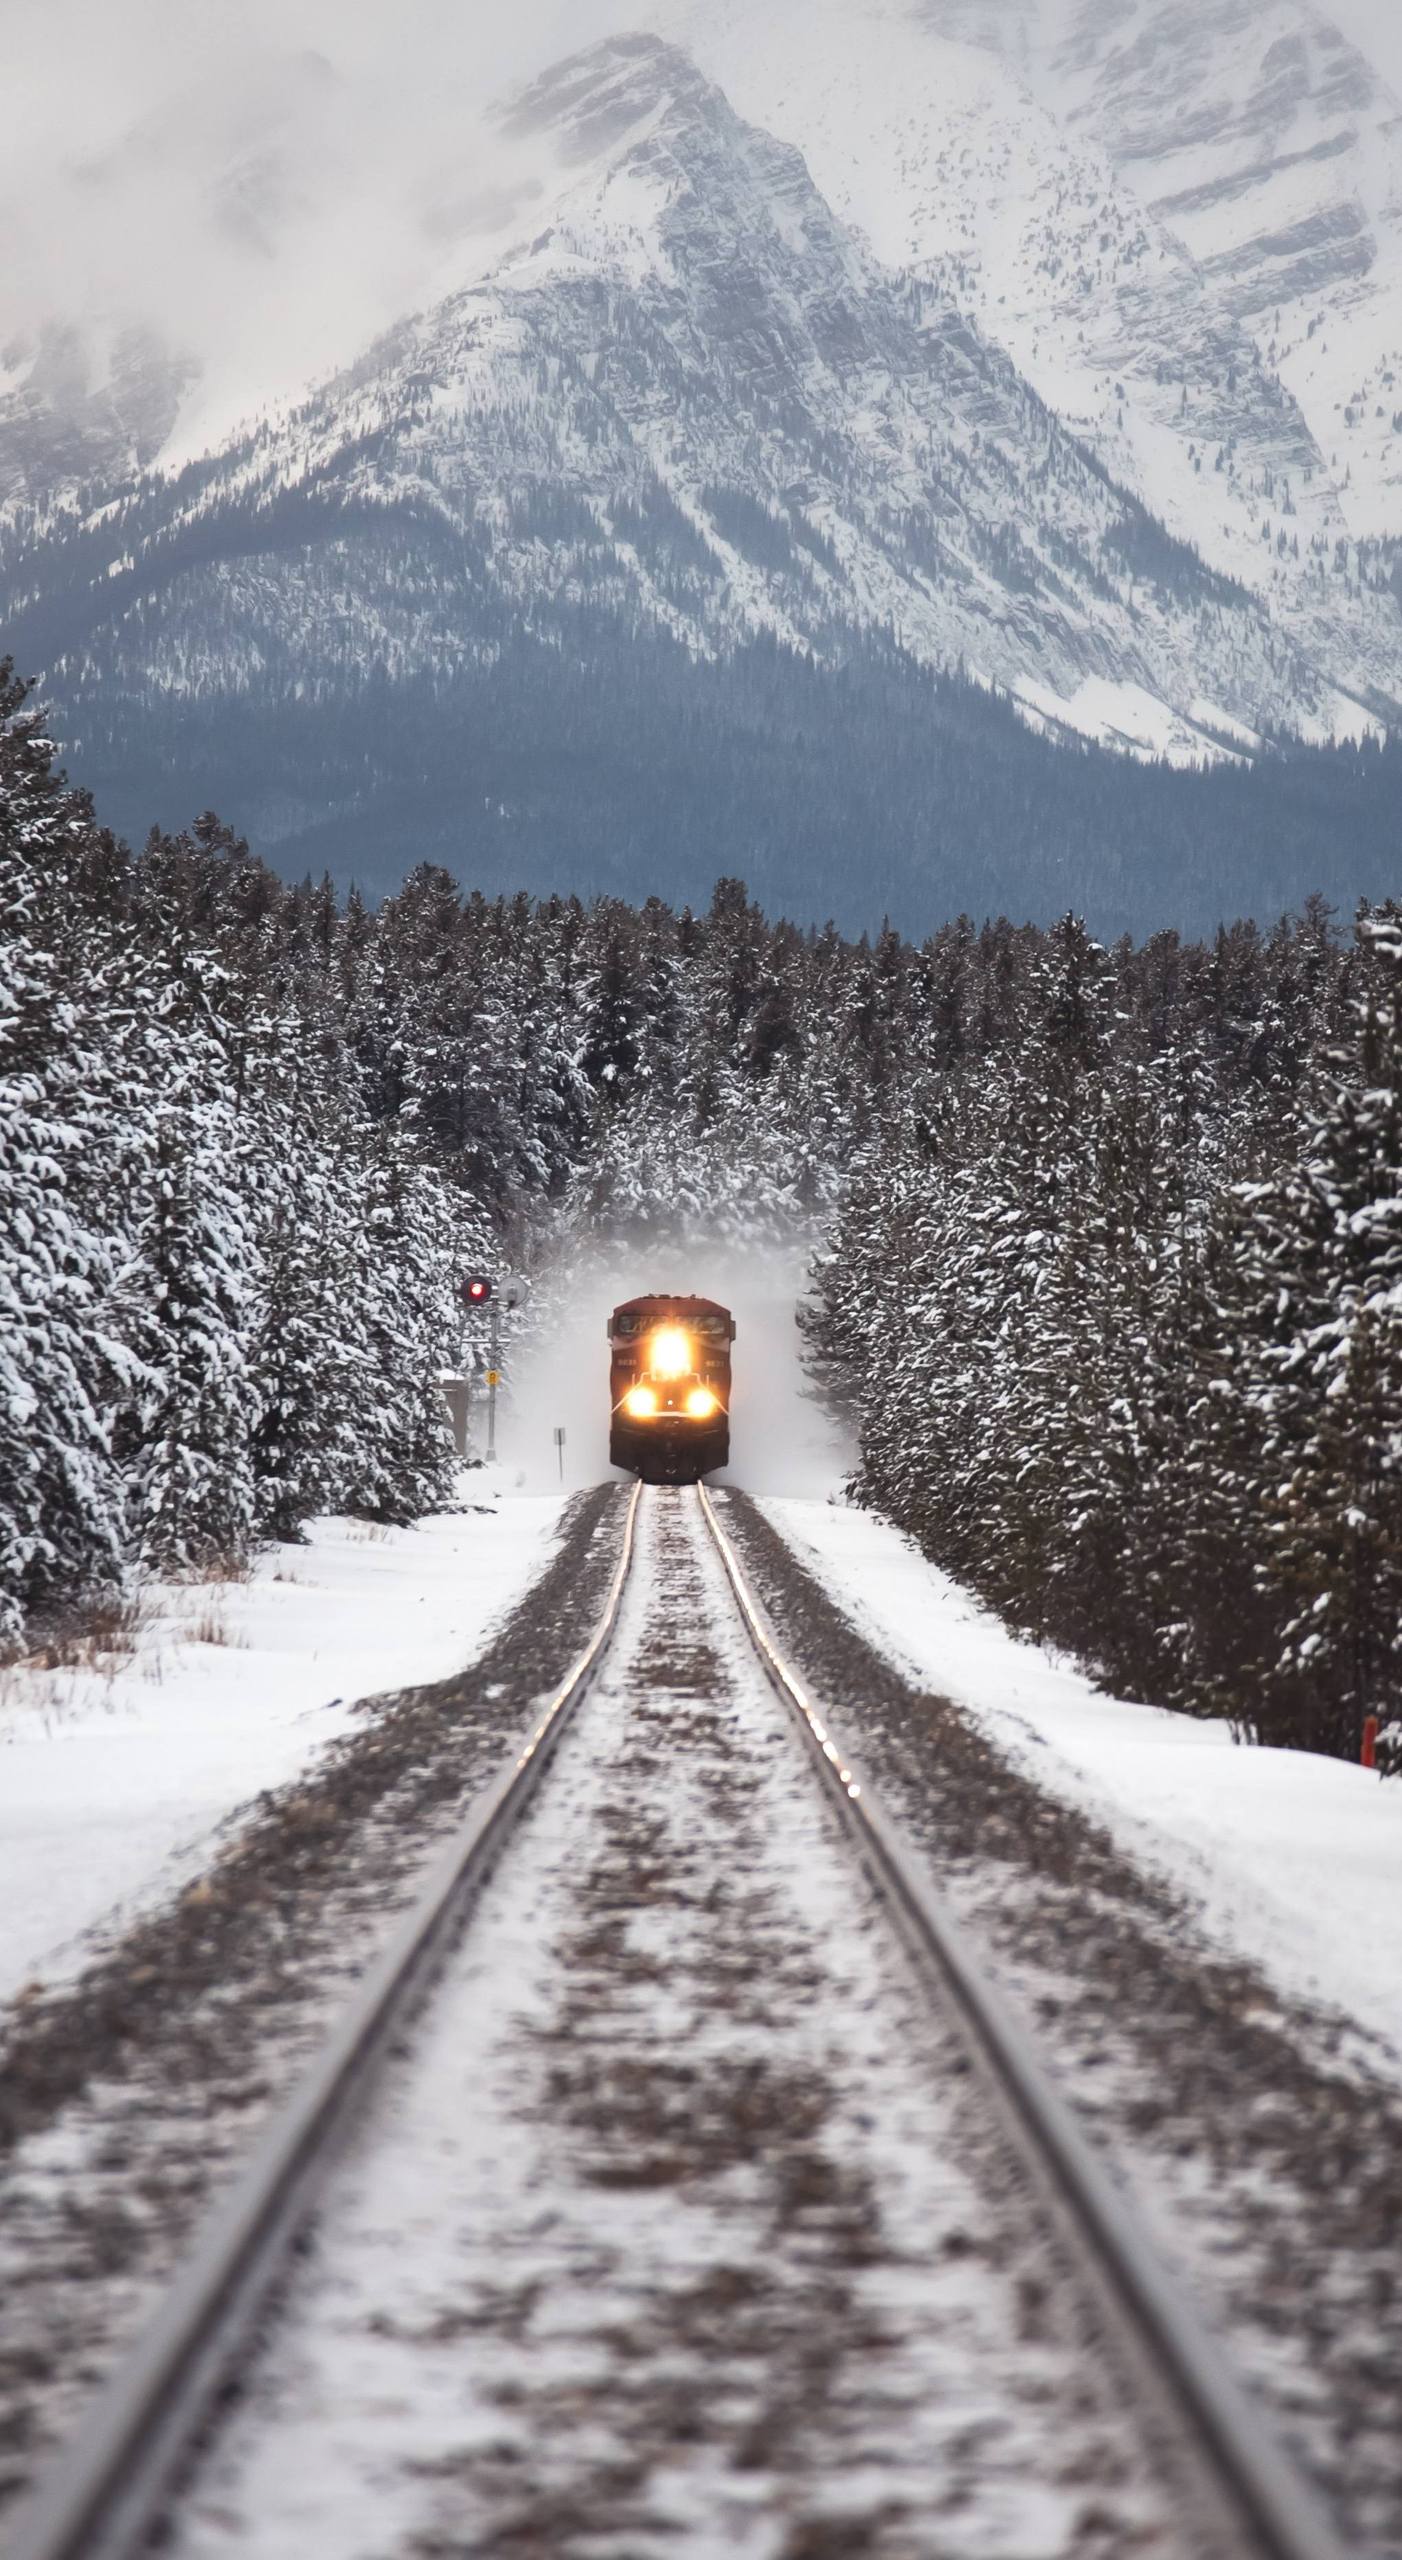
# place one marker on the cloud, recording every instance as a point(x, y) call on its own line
point(270, 185)
point(266, 186)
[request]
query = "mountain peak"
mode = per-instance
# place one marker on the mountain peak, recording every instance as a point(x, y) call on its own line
point(833, 339)
point(593, 101)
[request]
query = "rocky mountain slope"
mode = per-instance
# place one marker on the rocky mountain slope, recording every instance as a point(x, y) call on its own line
point(1267, 145)
point(870, 336)
point(694, 398)
point(76, 409)
point(1003, 152)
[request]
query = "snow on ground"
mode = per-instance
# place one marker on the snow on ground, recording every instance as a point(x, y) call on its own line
point(1122, 715)
point(1293, 1862)
point(563, 2294)
point(113, 1777)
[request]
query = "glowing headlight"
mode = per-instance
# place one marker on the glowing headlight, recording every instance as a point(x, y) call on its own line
point(669, 1352)
point(700, 1403)
point(641, 1402)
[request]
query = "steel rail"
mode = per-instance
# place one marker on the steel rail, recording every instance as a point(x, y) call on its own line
point(107, 2489)
point(1263, 2490)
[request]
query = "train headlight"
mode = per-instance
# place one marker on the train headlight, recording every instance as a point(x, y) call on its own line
point(701, 1403)
point(641, 1403)
point(669, 1352)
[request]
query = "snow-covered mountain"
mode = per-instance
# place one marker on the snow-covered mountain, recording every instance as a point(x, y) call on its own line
point(79, 407)
point(1001, 151)
point(1263, 140)
point(697, 397)
point(866, 333)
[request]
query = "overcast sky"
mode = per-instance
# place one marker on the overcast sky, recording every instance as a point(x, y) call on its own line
point(267, 179)
point(272, 180)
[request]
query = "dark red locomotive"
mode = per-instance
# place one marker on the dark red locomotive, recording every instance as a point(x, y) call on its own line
point(669, 1386)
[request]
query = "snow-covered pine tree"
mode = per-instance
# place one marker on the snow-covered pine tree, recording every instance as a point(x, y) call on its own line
point(307, 1338)
point(314, 1371)
point(60, 1501)
point(184, 1296)
point(1324, 1251)
point(414, 1241)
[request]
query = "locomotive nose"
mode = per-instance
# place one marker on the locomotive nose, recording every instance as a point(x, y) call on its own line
point(670, 1380)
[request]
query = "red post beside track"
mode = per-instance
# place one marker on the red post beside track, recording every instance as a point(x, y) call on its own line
point(1369, 1753)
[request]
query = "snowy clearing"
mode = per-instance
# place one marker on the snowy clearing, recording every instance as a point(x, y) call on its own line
point(1293, 1861)
point(113, 1778)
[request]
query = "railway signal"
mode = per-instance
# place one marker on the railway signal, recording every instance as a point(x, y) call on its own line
point(478, 1289)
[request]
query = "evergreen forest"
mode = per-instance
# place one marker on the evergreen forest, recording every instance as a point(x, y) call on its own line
point(1107, 1239)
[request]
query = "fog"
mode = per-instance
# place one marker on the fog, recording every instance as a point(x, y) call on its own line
point(265, 188)
point(782, 1440)
point(268, 186)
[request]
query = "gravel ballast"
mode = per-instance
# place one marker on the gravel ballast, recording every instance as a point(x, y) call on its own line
point(129, 2097)
point(1261, 2149)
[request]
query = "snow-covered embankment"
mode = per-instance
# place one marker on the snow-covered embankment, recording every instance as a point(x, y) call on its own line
point(1290, 1861)
point(114, 1776)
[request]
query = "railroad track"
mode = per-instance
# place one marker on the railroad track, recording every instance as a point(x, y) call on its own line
point(677, 1633)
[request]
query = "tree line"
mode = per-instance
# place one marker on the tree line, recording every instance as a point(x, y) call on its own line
point(1115, 1299)
point(1109, 1278)
point(252, 1134)
point(224, 1289)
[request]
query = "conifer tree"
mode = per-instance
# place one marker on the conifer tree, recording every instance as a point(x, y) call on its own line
point(60, 1499)
point(1324, 1247)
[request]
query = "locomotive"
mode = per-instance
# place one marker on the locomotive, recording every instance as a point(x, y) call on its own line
point(669, 1387)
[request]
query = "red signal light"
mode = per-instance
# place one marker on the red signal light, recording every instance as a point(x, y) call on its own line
point(476, 1290)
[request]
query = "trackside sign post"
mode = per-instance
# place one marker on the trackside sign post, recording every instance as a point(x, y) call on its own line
point(480, 1290)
